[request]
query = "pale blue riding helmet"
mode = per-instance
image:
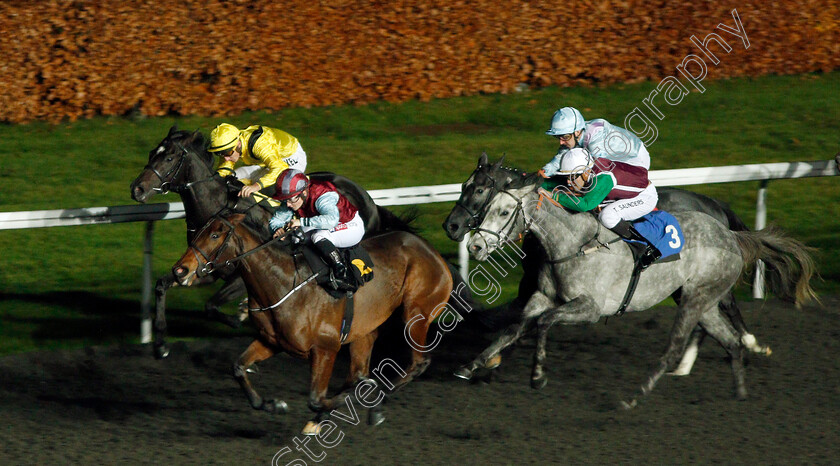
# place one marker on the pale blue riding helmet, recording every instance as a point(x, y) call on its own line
point(567, 120)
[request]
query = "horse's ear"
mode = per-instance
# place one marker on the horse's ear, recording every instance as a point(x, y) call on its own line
point(499, 162)
point(173, 130)
point(482, 161)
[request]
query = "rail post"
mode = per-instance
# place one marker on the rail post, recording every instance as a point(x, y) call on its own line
point(146, 299)
point(760, 223)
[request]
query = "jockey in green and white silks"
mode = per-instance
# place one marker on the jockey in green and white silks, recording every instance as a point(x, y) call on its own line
point(620, 192)
point(600, 138)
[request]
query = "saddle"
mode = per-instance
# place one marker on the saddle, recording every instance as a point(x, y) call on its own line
point(664, 233)
point(359, 270)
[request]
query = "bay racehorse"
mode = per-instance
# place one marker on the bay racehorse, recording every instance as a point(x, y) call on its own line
point(180, 163)
point(488, 178)
point(577, 288)
point(300, 318)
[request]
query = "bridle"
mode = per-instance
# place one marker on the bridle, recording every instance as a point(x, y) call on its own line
point(167, 179)
point(477, 217)
point(210, 264)
point(502, 236)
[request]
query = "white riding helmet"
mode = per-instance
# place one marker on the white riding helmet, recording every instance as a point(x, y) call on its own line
point(567, 120)
point(575, 162)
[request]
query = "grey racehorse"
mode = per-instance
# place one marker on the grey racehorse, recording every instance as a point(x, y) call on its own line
point(488, 178)
point(578, 288)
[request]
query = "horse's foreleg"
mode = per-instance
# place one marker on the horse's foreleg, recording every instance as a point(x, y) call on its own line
point(577, 310)
point(232, 289)
point(164, 283)
point(255, 353)
point(508, 337)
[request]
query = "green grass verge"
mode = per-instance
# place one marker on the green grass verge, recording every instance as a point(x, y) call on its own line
point(81, 285)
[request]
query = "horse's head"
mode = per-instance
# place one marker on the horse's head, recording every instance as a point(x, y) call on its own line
point(168, 164)
point(506, 217)
point(213, 245)
point(476, 192)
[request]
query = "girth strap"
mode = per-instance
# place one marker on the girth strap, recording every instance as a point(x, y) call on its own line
point(631, 287)
point(347, 321)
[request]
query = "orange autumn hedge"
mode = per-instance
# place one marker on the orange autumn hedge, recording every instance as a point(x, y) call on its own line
point(77, 59)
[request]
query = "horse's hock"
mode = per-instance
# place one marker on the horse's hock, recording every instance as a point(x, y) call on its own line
point(69, 60)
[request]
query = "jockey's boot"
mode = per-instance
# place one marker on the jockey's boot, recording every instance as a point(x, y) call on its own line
point(333, 258)
point(650, 255)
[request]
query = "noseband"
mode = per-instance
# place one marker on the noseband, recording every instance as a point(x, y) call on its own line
point(166, 178)
point(501, 235)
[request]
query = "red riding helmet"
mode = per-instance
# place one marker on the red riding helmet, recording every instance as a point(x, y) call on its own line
point(290, 183)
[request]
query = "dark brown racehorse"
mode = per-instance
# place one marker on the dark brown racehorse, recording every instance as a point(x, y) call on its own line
point(409, 274)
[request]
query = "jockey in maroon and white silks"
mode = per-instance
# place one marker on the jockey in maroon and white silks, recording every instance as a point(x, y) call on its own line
point(327, 218)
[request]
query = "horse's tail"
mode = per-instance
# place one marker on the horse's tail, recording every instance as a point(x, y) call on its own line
point(790, 266)
point(392, 222)
point(735, 222)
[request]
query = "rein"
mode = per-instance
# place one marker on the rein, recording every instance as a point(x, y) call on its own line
point(209, 266)
point(582, 251)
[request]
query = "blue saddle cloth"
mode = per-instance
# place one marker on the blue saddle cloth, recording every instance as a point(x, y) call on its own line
point(663, 231)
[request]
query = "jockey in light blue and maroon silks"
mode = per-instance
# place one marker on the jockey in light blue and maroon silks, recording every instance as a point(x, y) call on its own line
point(327, 218)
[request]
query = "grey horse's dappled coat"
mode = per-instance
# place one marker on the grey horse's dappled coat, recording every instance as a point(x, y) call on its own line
point(575, 289)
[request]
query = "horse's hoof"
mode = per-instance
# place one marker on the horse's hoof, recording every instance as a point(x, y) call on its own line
point(628, 406)
point(493, 362)
point(161, 352)
point(311, 428)
point(276, 407)
point(464, 373)
point(767, 351)
point(375, 417)
point(539, 383)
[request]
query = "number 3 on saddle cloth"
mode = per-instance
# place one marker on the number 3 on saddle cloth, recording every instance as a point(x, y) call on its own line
point(359, 270)
point(664, 233)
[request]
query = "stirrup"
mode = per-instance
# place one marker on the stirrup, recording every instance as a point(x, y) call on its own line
point(649, 257)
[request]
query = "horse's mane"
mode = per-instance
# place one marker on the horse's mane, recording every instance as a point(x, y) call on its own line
point(511, 170)
point(196, 143)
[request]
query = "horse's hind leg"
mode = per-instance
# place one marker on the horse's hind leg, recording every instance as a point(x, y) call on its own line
point(360, 351)
point(687, 317)
point(255, 353)
point(719, 327)
point(321, 367)
point(690, 353)
point(231, 290)
point(730, 307)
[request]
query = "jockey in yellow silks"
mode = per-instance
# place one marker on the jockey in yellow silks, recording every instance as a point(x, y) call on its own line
point(265, 153)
